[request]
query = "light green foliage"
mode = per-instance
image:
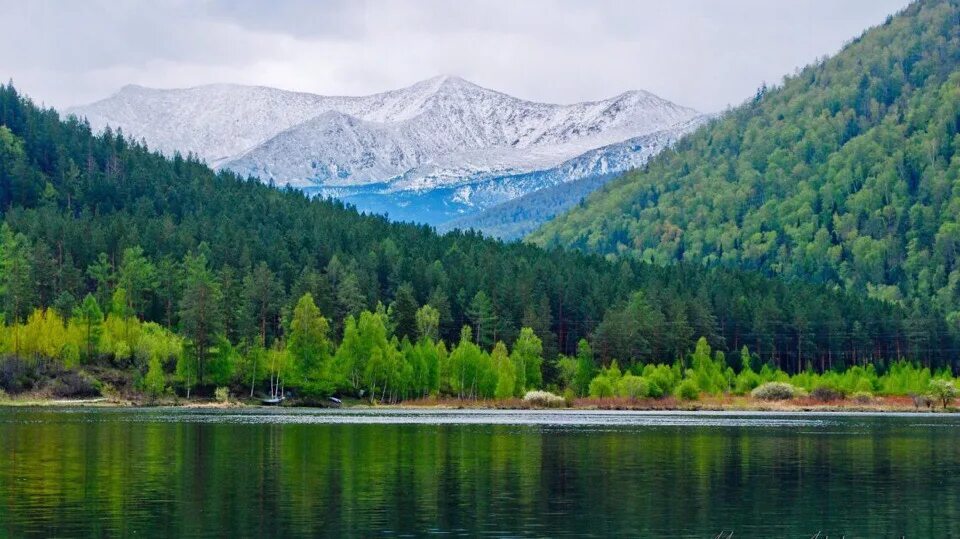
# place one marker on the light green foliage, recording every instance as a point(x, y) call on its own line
point(943, 390)
point(155, 382)
point(687, 390)
point(506, 372)
point(89, 320)
point(632, 387)
point(566, 371)
point(44, 335)
point(746, 381)
point(601, 388)
point(428, 323)
point(366, 340)
point(222, 394)
point(424, 360)
point(586, 368)
point(527, 360)
point(309, 342)
point(472, 373)
point(187, 369)
point(709, 374)
point(222, 363)
point(664, 377)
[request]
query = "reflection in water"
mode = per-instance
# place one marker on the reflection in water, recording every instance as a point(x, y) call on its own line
point(255, 473)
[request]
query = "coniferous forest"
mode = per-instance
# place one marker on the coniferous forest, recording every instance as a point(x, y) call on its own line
point(117, 258)
point(846, 174)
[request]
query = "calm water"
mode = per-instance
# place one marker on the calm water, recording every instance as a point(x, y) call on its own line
point(164, 472)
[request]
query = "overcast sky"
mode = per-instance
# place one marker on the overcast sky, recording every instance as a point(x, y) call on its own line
point(701, 53)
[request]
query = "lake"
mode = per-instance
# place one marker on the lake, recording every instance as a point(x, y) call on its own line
point(277, 473)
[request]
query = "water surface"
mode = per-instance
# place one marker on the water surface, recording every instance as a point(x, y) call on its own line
point(269, 472)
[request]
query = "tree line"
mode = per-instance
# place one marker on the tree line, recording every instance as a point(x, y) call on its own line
point(213, 258)
point(846, 174)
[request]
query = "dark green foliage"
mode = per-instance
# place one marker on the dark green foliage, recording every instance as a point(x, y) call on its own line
point(211, 255)
point(847, 175)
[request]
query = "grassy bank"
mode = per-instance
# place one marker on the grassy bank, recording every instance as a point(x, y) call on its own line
point(729, 403)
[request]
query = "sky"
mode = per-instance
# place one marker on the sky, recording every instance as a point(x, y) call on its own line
point(705, 54)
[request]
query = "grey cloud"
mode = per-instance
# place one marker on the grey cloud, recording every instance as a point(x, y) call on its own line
point(702, 53)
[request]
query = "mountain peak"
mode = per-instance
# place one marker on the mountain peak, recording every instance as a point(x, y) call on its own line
point(445, 83)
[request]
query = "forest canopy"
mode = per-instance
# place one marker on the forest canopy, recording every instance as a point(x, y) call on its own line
point(847, 174)
point(219, 264)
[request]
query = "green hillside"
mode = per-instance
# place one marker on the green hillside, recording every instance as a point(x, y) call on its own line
point(113, 256)
point(847, 174)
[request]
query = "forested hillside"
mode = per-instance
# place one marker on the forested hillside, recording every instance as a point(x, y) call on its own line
point(113, 255)
point(848, 174)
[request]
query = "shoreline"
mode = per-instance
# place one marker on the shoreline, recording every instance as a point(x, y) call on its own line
point(879, 405)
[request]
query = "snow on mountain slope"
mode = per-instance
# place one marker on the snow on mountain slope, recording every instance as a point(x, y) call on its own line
point(441, 133)
point(481, 202)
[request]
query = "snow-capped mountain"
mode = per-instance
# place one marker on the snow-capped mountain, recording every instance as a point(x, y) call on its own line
point(443, 136)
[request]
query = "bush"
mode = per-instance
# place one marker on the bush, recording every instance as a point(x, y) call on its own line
point(569, 396)
point(688, 391)
point(72, 385)
point(921, 401)
point(774, 391)
point(544, 399)
point(222, 394)
point(632, 387)
point(746, 382)
point(654, 390)
point(943, 391)
point(17, 376)
point(862, 397)
point(3, 395)
point(825, 394)
point(601, 388)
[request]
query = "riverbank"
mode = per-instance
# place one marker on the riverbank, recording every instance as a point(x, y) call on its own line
point(727, 403)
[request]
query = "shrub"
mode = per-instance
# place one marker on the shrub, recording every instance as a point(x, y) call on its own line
point(654, 390)
point(774, 391)
point(16, 375)
point(921, 401)
point(544, 399)
point(3, 395)
point(222, 394)
point(632, 387)
point(943, 391)
point(600, 387)
point(75, 385)
point(688, 390)
point(569, 396)
point(746, 382)
point(825, 393)
point(862, 397)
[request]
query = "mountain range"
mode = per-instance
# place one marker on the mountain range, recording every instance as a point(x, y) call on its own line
point(441, 149)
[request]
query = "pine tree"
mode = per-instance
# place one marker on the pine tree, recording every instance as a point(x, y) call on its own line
point(403, 312)
point(138, 276)
point(199, 316)
point(481, 315)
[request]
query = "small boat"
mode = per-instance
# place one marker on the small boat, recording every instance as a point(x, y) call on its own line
point(271, 401)
point(336, 402)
